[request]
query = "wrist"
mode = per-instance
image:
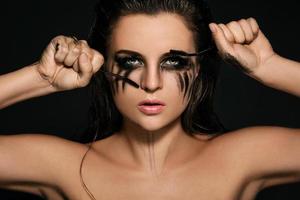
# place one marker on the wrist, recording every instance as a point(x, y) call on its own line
point(263, 72)
point(42, 81)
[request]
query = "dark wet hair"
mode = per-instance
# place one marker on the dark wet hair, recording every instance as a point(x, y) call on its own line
point(199, 115)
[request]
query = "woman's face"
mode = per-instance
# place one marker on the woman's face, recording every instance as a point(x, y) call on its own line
point(140, 50)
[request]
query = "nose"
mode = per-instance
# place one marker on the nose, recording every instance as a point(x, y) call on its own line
point(151, 79)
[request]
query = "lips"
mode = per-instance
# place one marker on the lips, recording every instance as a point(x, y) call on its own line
point(151, 107)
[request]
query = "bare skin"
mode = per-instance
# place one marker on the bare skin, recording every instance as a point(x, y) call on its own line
point(223, 163)
point(152, 157)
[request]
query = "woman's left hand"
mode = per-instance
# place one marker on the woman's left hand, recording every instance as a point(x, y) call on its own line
point(243, 42)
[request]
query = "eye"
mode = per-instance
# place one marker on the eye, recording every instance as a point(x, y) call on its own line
point(129, 62)
point(176, 63)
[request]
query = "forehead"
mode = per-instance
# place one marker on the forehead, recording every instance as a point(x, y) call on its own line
point(151, 34)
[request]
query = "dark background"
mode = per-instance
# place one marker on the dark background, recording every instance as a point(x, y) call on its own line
point(28, 26)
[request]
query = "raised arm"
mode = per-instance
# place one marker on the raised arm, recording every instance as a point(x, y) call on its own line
point(29, 162)
point(65, 64)
point(243, 42)
point(22, 84)
point(271, 155)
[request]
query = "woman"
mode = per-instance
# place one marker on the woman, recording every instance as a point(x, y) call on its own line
point(152, 110)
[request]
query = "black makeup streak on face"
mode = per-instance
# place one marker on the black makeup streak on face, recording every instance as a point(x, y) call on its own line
point(184, 67)
point(119, 72)
point(185, 80)
point(176, 62)
point(124, 68)
point(181, 81)
point(127, 73)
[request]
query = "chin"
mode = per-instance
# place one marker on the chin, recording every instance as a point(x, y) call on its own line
point(155, 123)
point(151, 128)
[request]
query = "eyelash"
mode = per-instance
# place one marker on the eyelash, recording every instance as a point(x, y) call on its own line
point(123, 62)
point(180, 63)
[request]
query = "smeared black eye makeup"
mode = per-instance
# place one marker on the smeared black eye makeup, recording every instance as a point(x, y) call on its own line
point(175, 62)
point(117, 76)
point(128, 62)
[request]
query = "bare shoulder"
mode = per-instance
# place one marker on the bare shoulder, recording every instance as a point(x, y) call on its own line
point(38, 159)
point(267, 153)
point(50, 145)
point(257, 138)
point(257, 135)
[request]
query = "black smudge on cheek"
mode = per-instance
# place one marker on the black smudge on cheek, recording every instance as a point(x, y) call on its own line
point(119, 72)
point(126, 75)
point(116, 81)
point(185, 80)
point(181, 81)
point(190, 86)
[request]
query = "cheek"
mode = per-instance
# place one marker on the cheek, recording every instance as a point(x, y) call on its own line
point(118, 85)
point(127, 99)
point(184, 81)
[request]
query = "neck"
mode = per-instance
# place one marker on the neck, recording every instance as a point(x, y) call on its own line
point(154, 151)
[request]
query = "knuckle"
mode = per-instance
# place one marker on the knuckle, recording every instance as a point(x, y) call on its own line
point(232, 24)
point(253, 22)
point(84, 48)
point(243, 21)
point(223, 26)
point(83, 42)
point(76, 50)
point(252, 19)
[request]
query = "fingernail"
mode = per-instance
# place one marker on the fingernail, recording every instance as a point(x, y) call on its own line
point(213, 27)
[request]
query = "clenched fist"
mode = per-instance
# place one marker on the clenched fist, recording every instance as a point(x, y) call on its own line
point(243, 42)
point(68, 63)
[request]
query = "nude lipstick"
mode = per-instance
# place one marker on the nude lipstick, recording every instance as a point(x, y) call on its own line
point(151, 107)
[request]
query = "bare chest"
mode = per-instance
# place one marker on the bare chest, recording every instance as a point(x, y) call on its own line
point(193, 183)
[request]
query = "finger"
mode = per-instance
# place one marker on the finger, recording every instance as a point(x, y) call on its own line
point(50, 50)
point(227, 32)
point(82, 44)
point(246, 27)
point(220, 39)
point(254, 26)
point(86, 49)
point(97, 61)
point(73, 54)
point(95, 57)
point(61, 49)
point(72, 39)
point(237, 32)
point(85, 70)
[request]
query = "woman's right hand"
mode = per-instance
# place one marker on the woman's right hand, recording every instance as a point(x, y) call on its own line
point(68, 63)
